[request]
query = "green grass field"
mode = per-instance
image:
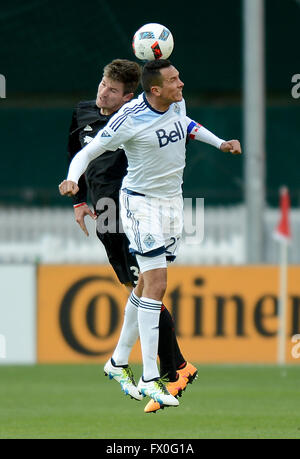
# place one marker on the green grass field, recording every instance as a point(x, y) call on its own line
point(78, 401)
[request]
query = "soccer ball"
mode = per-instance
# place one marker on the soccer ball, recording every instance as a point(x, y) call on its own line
point(152, 41)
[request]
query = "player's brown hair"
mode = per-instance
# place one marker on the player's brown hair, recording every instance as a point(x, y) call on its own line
point(125, 71)
point(151, 75)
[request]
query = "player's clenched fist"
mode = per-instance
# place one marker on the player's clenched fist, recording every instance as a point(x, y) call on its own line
point(233, 146)
point(68, 188)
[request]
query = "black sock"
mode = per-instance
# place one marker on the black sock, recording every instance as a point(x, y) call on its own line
point(168, 350)
point(179, 359)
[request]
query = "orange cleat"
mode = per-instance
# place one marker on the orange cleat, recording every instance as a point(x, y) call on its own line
point(189, 372)
point(175, 388)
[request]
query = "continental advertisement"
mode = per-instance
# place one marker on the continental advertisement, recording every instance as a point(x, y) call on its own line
point(221, 314)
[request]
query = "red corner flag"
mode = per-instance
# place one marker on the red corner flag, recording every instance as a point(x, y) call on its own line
point(283, 231)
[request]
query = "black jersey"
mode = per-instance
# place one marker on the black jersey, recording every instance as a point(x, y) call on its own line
point(104, 174)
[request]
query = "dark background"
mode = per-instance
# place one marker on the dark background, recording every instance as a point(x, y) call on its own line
point(52, 55)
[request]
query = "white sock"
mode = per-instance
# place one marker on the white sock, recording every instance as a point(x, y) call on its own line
point(148, 318)
point(129, 332)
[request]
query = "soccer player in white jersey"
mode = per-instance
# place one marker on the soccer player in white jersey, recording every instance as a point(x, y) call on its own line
point(153, 130)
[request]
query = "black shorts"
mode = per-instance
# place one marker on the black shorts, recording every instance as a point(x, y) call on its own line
point(123, 262)
point(116, 245)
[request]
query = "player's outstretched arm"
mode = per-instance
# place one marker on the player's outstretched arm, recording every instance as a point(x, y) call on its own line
point(198, 132)
point(79, 164)
point(107, 139)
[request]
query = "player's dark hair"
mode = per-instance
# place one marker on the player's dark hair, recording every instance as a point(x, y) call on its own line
point(124, 71)
point(151, 75)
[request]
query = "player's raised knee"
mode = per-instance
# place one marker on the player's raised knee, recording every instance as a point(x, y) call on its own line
point(155, 283)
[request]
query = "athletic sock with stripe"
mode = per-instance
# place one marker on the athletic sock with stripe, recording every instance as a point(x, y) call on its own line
point(129, 332)
point(148, 320)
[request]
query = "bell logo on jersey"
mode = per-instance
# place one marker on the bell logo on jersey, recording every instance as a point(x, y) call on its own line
point(173, 136)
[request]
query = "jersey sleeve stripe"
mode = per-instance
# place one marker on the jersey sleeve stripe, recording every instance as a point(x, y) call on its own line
point(127, 111)
point(121, 121)
point(123, 117)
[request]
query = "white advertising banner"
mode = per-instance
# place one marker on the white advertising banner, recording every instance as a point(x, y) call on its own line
point(17, 314)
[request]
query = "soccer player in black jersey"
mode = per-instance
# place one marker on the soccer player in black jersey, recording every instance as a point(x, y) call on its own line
point(102, 180)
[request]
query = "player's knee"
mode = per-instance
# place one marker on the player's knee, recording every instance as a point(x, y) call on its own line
point(156, 288)
point(161, 287)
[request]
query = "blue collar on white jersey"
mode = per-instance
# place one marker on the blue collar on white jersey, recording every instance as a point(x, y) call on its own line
point(151, 108)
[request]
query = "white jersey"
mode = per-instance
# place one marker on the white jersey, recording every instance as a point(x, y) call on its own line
point(156, 151)
point(154, 143)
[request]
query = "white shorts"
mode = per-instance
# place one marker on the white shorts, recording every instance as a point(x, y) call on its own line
point(152, 225)
point(149, 263)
